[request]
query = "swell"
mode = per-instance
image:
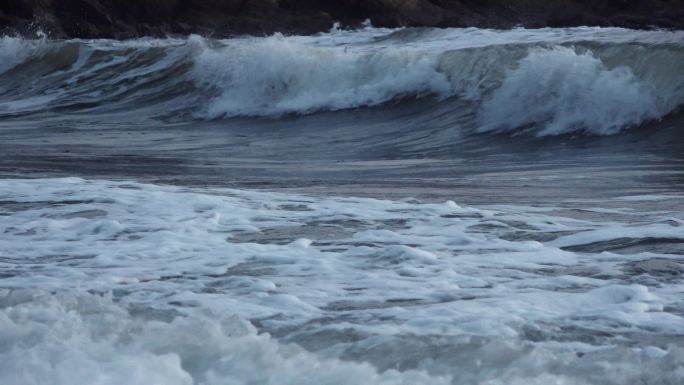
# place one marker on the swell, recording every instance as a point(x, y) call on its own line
point(544, 82)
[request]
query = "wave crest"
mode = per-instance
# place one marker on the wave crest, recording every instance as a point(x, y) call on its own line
point(546, 89)
point(547, 82)
point(274, 76)
point(558, 91)
point(15, 50)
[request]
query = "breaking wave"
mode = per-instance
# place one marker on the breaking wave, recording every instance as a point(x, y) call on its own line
point(560, 90)
point(543, 82)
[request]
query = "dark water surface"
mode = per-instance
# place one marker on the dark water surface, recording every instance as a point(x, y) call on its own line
point(359, 207)
point(299, 154)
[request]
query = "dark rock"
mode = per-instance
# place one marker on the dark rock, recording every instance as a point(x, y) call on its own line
point(125, 18)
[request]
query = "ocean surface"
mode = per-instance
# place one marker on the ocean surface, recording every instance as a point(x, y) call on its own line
point(412, 206)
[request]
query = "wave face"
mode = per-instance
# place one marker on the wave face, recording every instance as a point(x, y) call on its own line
point(542, 82)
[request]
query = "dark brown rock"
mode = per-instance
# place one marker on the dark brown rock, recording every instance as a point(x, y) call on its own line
point(125, 18)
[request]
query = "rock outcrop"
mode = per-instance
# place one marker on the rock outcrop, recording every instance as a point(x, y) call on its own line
point(125, 18)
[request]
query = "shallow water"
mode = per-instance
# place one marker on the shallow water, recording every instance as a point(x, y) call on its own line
point(378, 206)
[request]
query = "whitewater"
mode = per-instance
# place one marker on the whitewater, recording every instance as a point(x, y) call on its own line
point(371, 206)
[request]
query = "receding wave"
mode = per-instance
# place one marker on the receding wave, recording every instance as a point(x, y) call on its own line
point(543, 82)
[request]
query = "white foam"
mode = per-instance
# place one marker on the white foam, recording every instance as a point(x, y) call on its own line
point(88, 340)
point(348, 277)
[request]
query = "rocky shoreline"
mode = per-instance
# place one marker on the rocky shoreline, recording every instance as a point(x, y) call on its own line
point(122, 19)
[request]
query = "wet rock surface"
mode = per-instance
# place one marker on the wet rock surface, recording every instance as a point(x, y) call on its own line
point(220, 18)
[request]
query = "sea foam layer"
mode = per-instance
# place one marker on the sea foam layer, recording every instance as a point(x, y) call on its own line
point(117, 282)
point(544, 82)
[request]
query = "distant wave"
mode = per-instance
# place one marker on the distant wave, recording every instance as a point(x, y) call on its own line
point(543, 82)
